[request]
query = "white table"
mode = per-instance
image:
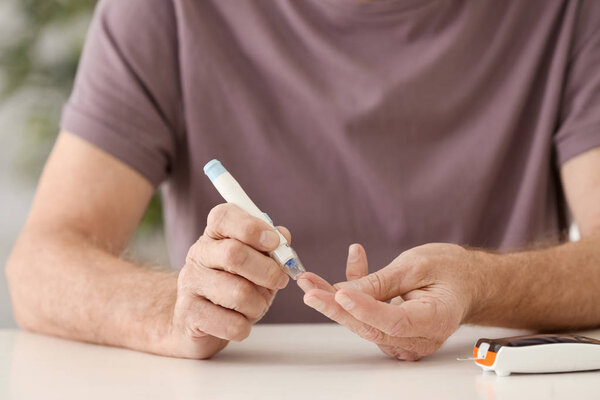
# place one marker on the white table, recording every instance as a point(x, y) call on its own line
point(321, 361)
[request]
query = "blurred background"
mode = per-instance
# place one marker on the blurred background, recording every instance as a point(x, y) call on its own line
point(40, 44)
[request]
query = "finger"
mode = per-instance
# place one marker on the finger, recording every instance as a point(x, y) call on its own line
point(404, 348)
point(233, 256)
point(393, 280)
point(400, 353)
point(308, 281)
point(356, 265)
point(412, 348)
point(204, 317)
point(230, 221)
point(415, 294)
point(324, 302)
point(412, 318)
point(286, 233)
point(230, 291)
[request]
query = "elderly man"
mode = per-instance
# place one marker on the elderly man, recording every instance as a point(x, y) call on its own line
point(455, 140)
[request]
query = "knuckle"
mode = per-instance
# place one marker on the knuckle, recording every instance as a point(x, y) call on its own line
point(422, 266)
point(182, 279)
point(371, 334)
point(420, 260)
point(197, 253)
point(239, 329)
point(417, 268)
point(400, 326)
point(193, 251)
point(190, 319)
point(335, 313)
point(234, 253)
point(241, 292)
point(353, 275)
point(376, 282)
point(187, 279)
point(250, 230)
point(274, 276)
point(263, 310)
point(194, 331)
point(256, 313)
point(184, 273)
point(217, 215)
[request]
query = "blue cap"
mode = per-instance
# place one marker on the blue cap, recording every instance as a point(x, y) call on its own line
point(213, 169)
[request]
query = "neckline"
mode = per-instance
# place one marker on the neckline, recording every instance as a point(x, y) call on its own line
point(376, 7)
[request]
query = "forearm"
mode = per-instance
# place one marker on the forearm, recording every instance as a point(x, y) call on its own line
point(62, 284)
point(551, 289)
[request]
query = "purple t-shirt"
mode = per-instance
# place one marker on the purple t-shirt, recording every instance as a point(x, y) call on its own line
point(392, 123)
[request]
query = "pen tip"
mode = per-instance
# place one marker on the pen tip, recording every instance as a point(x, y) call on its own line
point(295, 267)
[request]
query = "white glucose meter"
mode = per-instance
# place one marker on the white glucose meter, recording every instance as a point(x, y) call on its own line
point(537, 354)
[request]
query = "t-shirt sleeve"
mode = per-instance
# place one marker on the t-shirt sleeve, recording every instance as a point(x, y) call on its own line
point(126, 99)
point(579, 123)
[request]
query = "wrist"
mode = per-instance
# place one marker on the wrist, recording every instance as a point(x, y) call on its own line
point(156, 332)
point(161, 339)
point(484, 278)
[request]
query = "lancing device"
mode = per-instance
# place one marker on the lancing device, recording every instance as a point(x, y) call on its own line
point(232, 192)
point(537, 354)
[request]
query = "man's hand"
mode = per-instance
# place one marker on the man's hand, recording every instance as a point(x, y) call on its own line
point(430, 288)
point(227, 283)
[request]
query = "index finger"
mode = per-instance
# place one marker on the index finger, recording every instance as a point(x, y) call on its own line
point(393, 280)
point(229, 221)
point(310, 280)
point(412, 318)
point(233, 256)
point(324, 302)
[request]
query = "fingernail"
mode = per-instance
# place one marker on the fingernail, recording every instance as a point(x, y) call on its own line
point(305, 284)
point(315, 303)
point(344, 301)
point(353, 253)
point(269, 239)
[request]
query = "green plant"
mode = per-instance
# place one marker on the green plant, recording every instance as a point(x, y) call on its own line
point(38, 61)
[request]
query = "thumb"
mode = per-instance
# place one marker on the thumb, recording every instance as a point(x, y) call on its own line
point(387, 283)
point(357, 265)
point(391, 281)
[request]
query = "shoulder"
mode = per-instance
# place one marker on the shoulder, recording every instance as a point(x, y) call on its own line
point(131, 16)
point(137, 30)
point(587, 24)
point(136, 8)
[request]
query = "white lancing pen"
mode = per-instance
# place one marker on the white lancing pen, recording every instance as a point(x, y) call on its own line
point(232, 192)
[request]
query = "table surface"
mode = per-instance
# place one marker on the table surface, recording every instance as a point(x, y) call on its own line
point(319, 361)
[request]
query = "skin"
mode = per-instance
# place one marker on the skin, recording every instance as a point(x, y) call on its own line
point(434, 288)
point(67, 278)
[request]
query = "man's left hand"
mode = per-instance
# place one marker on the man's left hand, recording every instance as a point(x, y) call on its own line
point(430, 289)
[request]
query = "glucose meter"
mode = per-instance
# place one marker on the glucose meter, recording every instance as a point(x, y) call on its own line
point(537, 354)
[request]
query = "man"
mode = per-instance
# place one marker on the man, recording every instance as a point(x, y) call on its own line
point(399, 124)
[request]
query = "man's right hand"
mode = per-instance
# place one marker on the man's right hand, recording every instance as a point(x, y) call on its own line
point(227, 284)
point(67, 277)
